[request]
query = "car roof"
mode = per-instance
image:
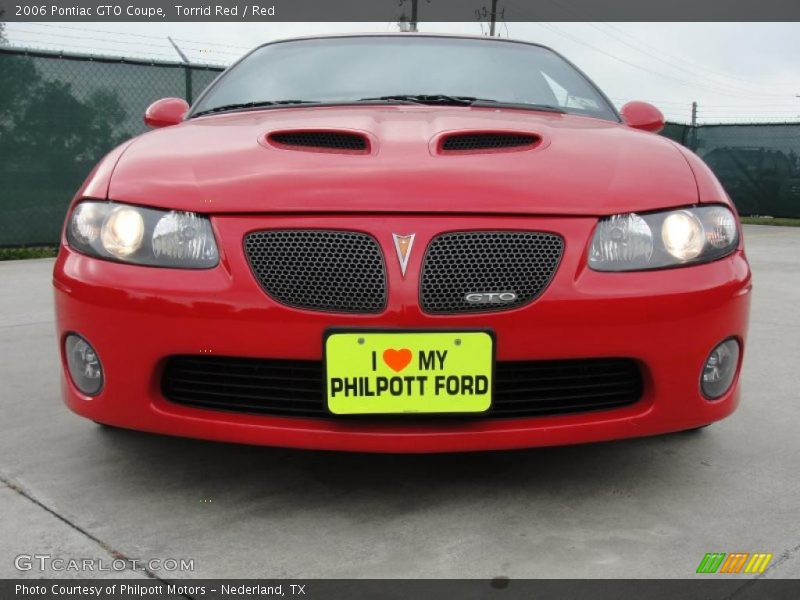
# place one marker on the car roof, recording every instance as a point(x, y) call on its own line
point(407, 35)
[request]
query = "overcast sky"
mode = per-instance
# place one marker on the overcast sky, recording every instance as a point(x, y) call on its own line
point(735, 71)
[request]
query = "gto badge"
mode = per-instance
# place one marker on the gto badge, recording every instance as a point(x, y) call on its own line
point(403, 245)
point(490, 297)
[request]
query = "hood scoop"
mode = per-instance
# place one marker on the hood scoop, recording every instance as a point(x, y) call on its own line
point(487, 141)
point(331, 141)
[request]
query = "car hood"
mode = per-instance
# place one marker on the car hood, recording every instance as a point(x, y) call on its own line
point(221, 163)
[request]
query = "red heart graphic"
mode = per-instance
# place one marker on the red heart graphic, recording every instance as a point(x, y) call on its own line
point(397, 359)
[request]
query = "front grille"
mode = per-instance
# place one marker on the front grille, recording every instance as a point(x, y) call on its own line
point(295, 388)
point(328, 140)
point(467, 142)
point(341, 271)
point(469, 262)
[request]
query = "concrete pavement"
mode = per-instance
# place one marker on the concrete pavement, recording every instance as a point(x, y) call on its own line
point(641, 508)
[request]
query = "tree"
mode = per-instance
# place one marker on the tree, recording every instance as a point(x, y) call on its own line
point(54, 132)
point(51, 134)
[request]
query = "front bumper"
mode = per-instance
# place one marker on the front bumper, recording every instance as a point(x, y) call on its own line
point(136, 317)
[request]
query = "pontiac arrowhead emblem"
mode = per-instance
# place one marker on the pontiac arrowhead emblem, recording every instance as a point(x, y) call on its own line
point(403, 245)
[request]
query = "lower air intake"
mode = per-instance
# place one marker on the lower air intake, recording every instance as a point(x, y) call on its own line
point(295, 388)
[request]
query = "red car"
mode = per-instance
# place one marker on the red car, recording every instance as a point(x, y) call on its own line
point(402, 243)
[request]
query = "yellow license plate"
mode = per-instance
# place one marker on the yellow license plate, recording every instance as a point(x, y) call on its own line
point(409, 372)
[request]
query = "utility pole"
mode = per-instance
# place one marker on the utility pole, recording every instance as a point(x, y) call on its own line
point(3, 40)
point(409, 24)
point(694, 114)
point(187, 72)
point(493, 16)
point(178, 50)
point(486, 14)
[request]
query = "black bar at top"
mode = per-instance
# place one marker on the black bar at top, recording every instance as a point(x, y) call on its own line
point(383, 11)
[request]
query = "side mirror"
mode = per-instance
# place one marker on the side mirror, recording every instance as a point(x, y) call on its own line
point(644, 116)
point(165, 112)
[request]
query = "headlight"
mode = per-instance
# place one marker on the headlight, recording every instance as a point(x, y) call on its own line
point(143, 236)
point(633, 242)
point(683, 235)
point(122, 232)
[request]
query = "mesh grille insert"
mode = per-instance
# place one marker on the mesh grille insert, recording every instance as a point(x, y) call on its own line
point(296, 387)
point(328, 140)
point(469, 262)
point(465, 142)
point(340, 271)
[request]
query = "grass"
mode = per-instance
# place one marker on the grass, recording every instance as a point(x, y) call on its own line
point(781, 221)
point(28, 252)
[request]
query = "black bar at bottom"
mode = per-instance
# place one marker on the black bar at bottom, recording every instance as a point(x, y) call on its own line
point(710, 587)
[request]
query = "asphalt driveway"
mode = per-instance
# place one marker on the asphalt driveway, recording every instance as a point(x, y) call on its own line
point(641, 508)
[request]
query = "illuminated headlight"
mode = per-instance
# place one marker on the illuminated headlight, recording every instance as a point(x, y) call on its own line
point(143, 236)
point(633, 242)
point(122, 232)
point(683, 235)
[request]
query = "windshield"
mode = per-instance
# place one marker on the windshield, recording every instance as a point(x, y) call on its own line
point(349, 69)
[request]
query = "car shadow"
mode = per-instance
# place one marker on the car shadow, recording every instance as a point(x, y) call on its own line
point(351, 482)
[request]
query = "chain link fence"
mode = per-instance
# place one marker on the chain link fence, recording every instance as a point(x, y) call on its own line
point(758, 164)
point(59, 114)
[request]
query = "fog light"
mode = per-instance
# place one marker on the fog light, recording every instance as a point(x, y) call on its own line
point(84, 365)
point(720, 369)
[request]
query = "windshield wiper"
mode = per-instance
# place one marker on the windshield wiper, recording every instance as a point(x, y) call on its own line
point(267, 103)
point(522, 105)
point(426, 99)
point(247, 105)
point(465, 101)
